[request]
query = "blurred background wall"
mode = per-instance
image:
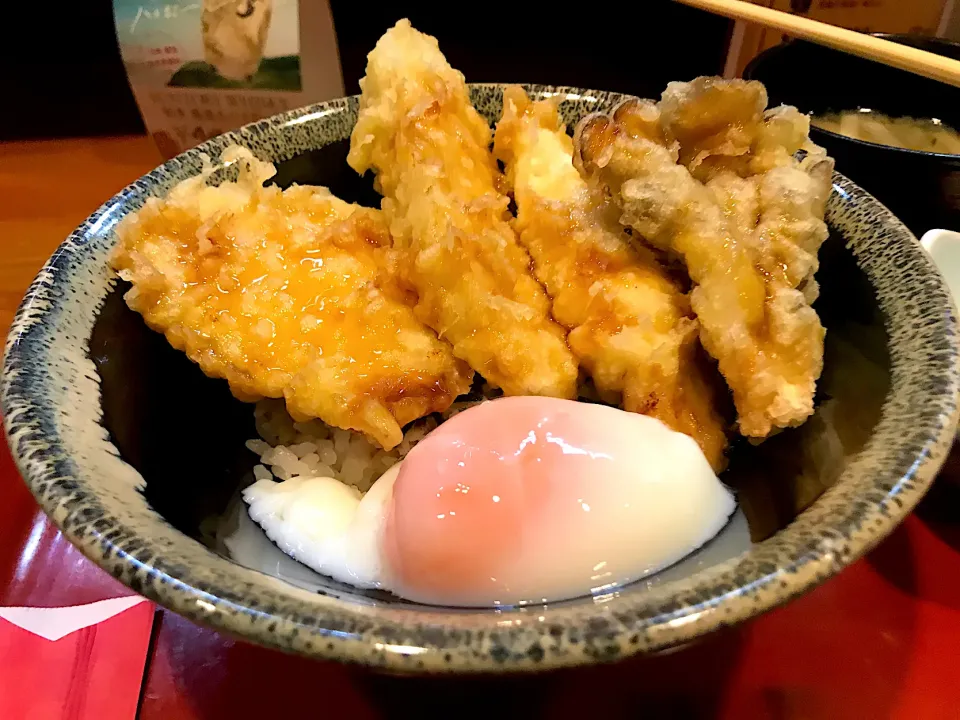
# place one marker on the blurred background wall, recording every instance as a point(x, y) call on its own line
point(63, 74)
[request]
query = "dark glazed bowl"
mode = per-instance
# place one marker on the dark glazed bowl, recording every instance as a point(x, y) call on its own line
point(922, 189)
point(139, 458)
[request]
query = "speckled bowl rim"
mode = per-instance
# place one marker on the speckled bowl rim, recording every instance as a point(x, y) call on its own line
point(875, 491)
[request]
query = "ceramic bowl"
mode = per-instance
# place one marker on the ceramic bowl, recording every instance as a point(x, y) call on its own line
point(139, 458)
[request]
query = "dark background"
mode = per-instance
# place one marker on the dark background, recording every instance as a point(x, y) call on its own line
point(62, 73)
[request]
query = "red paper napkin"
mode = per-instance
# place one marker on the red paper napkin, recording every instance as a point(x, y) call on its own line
point(84, 662)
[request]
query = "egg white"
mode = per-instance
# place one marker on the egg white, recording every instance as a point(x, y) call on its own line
point(676, 503)
point(325, 524)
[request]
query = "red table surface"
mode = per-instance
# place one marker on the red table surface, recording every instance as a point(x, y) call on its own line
point(881, 640)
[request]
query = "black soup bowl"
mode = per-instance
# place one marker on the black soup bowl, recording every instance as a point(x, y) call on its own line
point(922, 188)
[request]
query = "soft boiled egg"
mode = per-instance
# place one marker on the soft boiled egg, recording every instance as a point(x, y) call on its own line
point(516, 500)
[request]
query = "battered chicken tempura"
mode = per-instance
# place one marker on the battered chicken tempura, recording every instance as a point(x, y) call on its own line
point(714, 121)
point(430, 150)
point(749, 242)
point(747, 156)
point(285, 294)
point(629, 324)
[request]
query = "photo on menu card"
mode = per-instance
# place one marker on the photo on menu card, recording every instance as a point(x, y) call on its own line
point(201, 67)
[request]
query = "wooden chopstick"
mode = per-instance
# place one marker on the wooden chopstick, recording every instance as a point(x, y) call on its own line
point(924, 63)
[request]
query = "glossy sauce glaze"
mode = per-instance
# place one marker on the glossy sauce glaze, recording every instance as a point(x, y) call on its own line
point(287, 294)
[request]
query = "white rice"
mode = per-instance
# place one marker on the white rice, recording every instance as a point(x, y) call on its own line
point(328, 510)
point(289, 449)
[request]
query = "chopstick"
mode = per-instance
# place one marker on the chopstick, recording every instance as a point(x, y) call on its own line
point(923, 63)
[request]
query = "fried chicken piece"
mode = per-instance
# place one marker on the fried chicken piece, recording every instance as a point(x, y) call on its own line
point(629, 323)
point(714, 122)
point(767, 339)
point(430, 149)
point(723, 129)
point(722, 126)
point(286, 294)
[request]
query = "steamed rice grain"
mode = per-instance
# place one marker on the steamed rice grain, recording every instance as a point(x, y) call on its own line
point(289, 449)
